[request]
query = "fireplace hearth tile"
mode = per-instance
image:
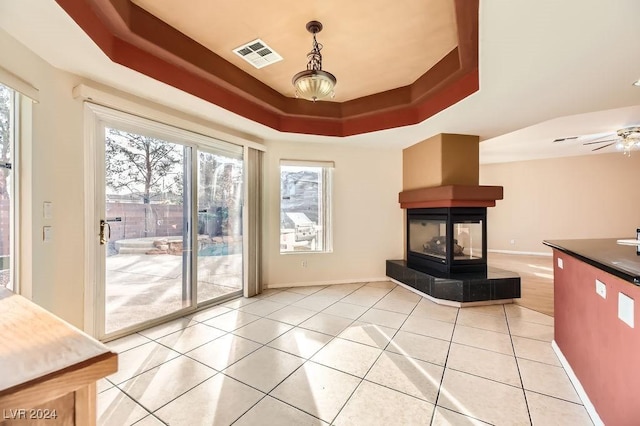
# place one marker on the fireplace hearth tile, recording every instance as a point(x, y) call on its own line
point(510, 286)
point(478, 290)
point(495, 284)
point(448, 290)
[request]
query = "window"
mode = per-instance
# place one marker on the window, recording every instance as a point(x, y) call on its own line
point(7, 185)
point(305, 206)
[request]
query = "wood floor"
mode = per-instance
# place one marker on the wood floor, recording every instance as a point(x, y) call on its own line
point(536, 273)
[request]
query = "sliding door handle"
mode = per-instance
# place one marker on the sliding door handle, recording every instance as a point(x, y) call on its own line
point(105, 232)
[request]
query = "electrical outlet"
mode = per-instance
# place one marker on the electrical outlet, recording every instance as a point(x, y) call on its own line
point(601, 289)
point(512, 242)
point(625, 309)
point(560, 263)
point(304, 264)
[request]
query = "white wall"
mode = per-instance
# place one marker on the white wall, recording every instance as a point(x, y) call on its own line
point(53, 272)
point(367, 219)
point(594, 196)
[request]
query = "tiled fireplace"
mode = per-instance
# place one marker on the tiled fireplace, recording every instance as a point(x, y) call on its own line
point(446, 225)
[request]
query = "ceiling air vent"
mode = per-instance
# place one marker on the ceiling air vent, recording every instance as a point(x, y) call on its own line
point(257, 53)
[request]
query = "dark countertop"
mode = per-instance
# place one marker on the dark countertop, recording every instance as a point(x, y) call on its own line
point(617, 259)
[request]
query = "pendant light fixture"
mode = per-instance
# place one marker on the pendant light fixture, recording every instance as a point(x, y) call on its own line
point(313, 83)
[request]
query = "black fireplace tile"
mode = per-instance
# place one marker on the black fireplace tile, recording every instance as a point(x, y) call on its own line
point(506, 289)
point(409, 274)
point(468, 287)
point(393, 270)
point(477, 290)
point(424, 283)
point(448, 290)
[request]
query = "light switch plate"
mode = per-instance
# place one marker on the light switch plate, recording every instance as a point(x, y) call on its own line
point(47, 234)
point(560, 263)
point(601, 289)
point(47, 210)
point(625, 309)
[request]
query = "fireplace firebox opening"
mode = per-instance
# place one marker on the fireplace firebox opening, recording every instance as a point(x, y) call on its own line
point(449, 240)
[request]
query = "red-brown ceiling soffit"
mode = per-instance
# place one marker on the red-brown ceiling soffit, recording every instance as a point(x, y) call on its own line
point(132, 37)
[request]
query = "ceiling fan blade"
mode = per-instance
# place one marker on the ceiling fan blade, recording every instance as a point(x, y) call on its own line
point(565, 139)
point(595, 142)
point(602, 147)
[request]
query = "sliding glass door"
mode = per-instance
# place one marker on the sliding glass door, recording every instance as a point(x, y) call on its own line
point(169, 222)
point(8, 113)
point(147, 218)
point(219, 225)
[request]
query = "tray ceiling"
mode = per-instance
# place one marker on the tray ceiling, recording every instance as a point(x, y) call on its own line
point(371, 46)
point(395, 66)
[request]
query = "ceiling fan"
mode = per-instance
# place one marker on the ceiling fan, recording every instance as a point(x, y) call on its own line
point(624, 139)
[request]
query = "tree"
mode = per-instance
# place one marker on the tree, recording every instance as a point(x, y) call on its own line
point(219, 180)
point(142, 164)
point(219, 186)
point(5, 137)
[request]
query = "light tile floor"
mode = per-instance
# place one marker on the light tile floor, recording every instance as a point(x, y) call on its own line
point(355, 354)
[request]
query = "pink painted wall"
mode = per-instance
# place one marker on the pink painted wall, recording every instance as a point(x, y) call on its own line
point(603, 351)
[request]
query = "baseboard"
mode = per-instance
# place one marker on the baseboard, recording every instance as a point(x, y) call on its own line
point(313, 283)
point(528, 253)
point(591, 410)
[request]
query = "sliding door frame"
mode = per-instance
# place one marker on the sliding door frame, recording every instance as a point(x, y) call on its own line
point(96, 118)
point(232, 295)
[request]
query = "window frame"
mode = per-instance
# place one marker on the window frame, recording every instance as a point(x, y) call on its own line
point(14, 188)
point(325, 213)
point(22, 220)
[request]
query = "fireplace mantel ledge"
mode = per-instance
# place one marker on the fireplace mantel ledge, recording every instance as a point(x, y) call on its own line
point(451, 196)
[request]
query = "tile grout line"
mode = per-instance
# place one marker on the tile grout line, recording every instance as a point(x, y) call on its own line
point(233, 363)
point(322, 310)
point(338, 301)
point(152, 415)
point(196, 347)
point(383, 349)
point(138, 373)
point(207, 379)
point(463, 414)
point(306, 360)
point(248, 409)
point(352, 321)
point(157, 366)
point(381, 352)
point(580, 404)
point(293, 406)
point(444, 368)
point(376, 360)
point(149, 412)
point(513, 347)
point(184, 355)
point(335, 337)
